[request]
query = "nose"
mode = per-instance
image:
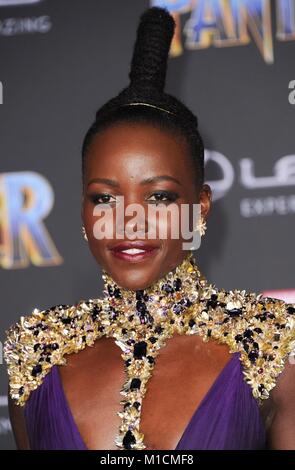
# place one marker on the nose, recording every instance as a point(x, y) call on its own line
point(132, 221)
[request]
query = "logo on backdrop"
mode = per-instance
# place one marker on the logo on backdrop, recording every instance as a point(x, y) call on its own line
point(6, 3)
point(291, 96)
point(26, 198)
point(23, 25)
point(283, 176)
point(231, 23)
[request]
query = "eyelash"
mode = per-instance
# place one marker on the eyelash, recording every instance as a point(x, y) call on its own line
point(169, 195)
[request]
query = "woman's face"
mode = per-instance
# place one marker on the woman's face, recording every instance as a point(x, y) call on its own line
point(142, 165)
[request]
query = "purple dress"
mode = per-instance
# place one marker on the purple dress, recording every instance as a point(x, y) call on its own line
point(228, 417)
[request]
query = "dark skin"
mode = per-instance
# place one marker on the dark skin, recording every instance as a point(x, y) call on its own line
point(186, 367)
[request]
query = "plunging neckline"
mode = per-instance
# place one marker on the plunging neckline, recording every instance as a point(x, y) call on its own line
point(235, 356)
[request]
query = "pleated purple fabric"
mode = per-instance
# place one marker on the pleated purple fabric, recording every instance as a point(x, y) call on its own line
point(228, 417)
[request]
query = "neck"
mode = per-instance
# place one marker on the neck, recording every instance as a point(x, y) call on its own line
point(172, 293)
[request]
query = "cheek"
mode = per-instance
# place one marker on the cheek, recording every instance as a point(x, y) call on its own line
point(166, 222)
point(97, 221)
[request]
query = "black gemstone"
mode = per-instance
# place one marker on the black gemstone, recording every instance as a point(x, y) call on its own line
point(177, 284)
point(66, 320)
point(110, 290)
point(261, 388)
point(212, 302)
point(54, 346)
point(21, 391)
point(36, 332)
point(291, 310)
point(258, 330)
point(144, 317)
point(135, 384)
point(126, 405)
point(150, 359)
point(158, 330)
point(128, 440)
point(36, 346)
point(139, 294)
point(248, 333)
point(262, 316)
point(136, 404)
point(253, 355)
point(238, 338)
point(36, 370)
point(139, 349)
point(124, 331)
point(235, 312)
point(277, 337)
point(140, 306)
point(152, 339)
point(185, 302)
point(95, 312)
point(167, 288)
point(191, 323)
point(246, 345)
point(117, 293)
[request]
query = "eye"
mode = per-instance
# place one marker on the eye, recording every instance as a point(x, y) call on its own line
point(102, 198)
point(163, 196)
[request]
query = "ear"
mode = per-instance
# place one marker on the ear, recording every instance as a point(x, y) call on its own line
point(205, 200)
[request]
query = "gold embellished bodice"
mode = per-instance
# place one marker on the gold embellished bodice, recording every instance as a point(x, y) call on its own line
point(261, 329)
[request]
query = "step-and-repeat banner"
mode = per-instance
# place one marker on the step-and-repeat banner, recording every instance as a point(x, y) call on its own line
point(232, 62)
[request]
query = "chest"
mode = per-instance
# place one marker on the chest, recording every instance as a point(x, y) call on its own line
point(184, 371)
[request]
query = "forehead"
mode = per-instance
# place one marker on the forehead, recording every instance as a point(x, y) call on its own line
point(137, 150)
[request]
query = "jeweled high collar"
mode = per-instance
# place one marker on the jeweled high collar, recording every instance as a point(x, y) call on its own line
point(175, 291)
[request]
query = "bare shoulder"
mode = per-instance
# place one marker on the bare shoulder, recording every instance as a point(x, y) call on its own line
point(281, 432)
point(18, 424)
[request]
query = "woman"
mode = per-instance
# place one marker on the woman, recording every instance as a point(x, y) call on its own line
point(223, 380)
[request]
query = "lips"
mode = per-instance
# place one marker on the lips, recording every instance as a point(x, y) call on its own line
point(134, 251)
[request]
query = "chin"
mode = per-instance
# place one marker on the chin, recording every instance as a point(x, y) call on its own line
point(135, 280)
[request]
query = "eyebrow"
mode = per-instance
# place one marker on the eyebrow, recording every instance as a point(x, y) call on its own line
point(152, 179)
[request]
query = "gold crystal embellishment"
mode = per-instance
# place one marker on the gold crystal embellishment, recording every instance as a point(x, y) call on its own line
point(261, 329)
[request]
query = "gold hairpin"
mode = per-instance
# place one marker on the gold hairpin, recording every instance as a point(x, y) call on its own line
point(150, 105)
